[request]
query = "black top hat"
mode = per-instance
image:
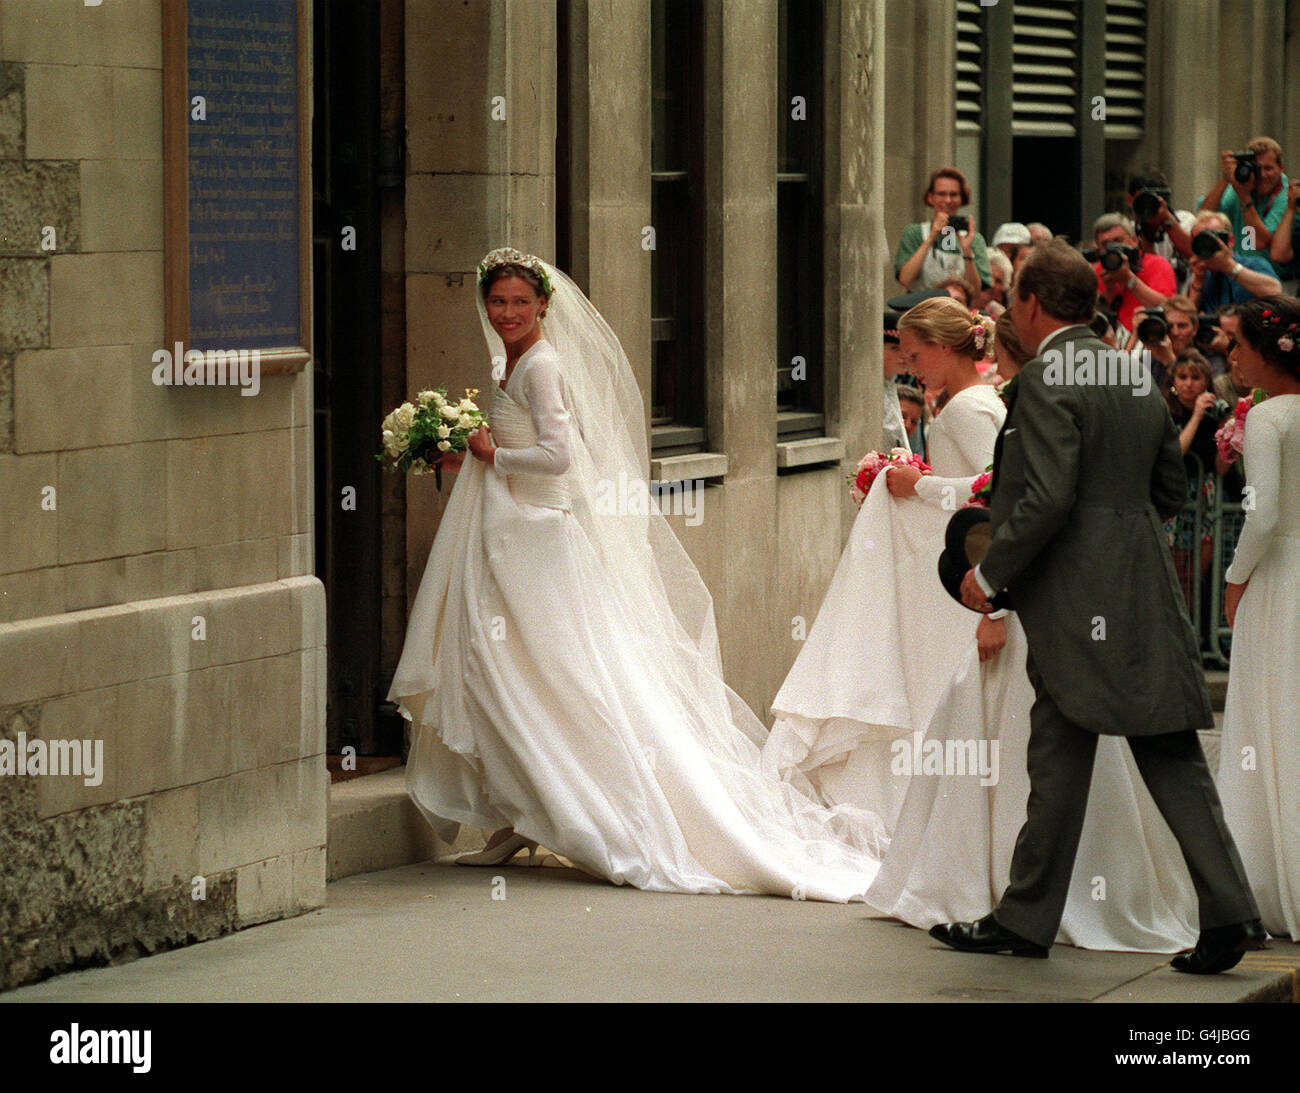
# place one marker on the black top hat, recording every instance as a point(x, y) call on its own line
point(965, 544)
point(911, 299)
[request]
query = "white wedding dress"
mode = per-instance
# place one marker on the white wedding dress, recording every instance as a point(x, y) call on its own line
point(561, 670)
point(887, 638)
point(1259, 760)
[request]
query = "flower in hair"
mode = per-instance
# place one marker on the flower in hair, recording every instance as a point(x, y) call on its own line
point(1286, 343)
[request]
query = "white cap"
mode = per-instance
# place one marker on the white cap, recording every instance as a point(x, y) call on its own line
point(1014, 233)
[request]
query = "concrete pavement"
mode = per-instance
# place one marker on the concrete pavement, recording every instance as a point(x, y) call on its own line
point(435, 932)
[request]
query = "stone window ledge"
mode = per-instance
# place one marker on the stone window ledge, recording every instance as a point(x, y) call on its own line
point(810, 452)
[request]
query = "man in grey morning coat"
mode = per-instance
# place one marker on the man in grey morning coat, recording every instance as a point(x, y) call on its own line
point(1085, 468)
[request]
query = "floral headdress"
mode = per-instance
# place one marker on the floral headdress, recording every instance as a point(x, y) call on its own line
point(981, 327)
point(508, 256)
point(1286, 340)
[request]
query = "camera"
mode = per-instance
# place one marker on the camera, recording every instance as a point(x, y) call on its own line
point(1207, 329)
point(1246, 168)
point(1112, 256)
point(1152, 328)
point(1204, 243)
point(1102, 324)
point(959, 223)
point(1146, 202)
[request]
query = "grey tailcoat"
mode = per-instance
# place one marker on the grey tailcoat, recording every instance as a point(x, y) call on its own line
point(1083, 475)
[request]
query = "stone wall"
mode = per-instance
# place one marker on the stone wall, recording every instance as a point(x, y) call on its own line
point(155, 543)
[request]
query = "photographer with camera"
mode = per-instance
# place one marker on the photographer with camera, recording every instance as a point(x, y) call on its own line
point(1126, 278)
point(947, 246)
point(1219, 277)
point(1159, 229)
point(1284, 252)
point(1166, 332)
point(1251, 193)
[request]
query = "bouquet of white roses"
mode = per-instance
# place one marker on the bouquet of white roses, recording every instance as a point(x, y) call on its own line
point(417, 435)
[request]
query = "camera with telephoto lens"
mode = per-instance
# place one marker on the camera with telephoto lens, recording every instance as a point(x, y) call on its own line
point(1152, 328)
point(1246, 168)
point(959, 223)
point(1112, 256)
point(1205, 244)
point(1207, 329)
point(1146, 202)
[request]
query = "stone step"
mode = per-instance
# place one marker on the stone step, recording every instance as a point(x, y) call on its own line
point(374, 825)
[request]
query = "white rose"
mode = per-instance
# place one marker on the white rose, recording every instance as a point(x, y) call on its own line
point(405, 415)
point(449, 413)
point(444, 445)
point(465, 421)
point(466, 406)
point(443, 432)
point(425, 397)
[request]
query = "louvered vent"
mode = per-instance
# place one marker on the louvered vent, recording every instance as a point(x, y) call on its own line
point(970, 66)
point(1126, 68)
point(1045, 70)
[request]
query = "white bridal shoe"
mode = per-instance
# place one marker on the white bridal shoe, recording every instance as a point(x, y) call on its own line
point(501, 853)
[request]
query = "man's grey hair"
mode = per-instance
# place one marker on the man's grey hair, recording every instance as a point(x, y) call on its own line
point(1107, 221)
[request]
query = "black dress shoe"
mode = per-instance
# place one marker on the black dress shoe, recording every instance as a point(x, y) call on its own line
point(986, 936)
point(1221, 948)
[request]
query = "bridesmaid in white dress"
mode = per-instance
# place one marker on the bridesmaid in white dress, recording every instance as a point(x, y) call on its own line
point(950, 856)
point(1259, 761)
point(888, 637)
point(561, 667)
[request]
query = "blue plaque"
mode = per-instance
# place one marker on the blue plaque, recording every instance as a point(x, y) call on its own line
point(243, 159)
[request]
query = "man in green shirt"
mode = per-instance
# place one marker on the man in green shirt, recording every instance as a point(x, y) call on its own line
point(1255, 207)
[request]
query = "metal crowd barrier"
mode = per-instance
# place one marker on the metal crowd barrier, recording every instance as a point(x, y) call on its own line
point(1208, 526)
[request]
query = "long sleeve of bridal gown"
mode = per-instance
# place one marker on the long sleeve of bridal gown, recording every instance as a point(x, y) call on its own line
point(542, 697)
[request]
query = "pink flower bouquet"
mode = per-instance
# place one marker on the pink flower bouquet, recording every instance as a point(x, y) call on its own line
point(873, 463)
point(1231, 435)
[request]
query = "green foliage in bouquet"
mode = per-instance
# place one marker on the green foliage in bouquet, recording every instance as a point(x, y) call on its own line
point(416, 435)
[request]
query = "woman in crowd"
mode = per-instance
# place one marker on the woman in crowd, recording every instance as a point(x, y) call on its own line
point(931, 251)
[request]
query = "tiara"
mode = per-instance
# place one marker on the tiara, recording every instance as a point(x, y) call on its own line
point(508, 256)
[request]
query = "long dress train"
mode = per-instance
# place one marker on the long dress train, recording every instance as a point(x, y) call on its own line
point(950, 856)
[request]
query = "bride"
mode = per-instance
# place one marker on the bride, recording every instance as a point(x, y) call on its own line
point(561, 667)
point(950, 856)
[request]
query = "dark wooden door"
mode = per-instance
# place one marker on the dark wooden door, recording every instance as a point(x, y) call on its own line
point(346, 265)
